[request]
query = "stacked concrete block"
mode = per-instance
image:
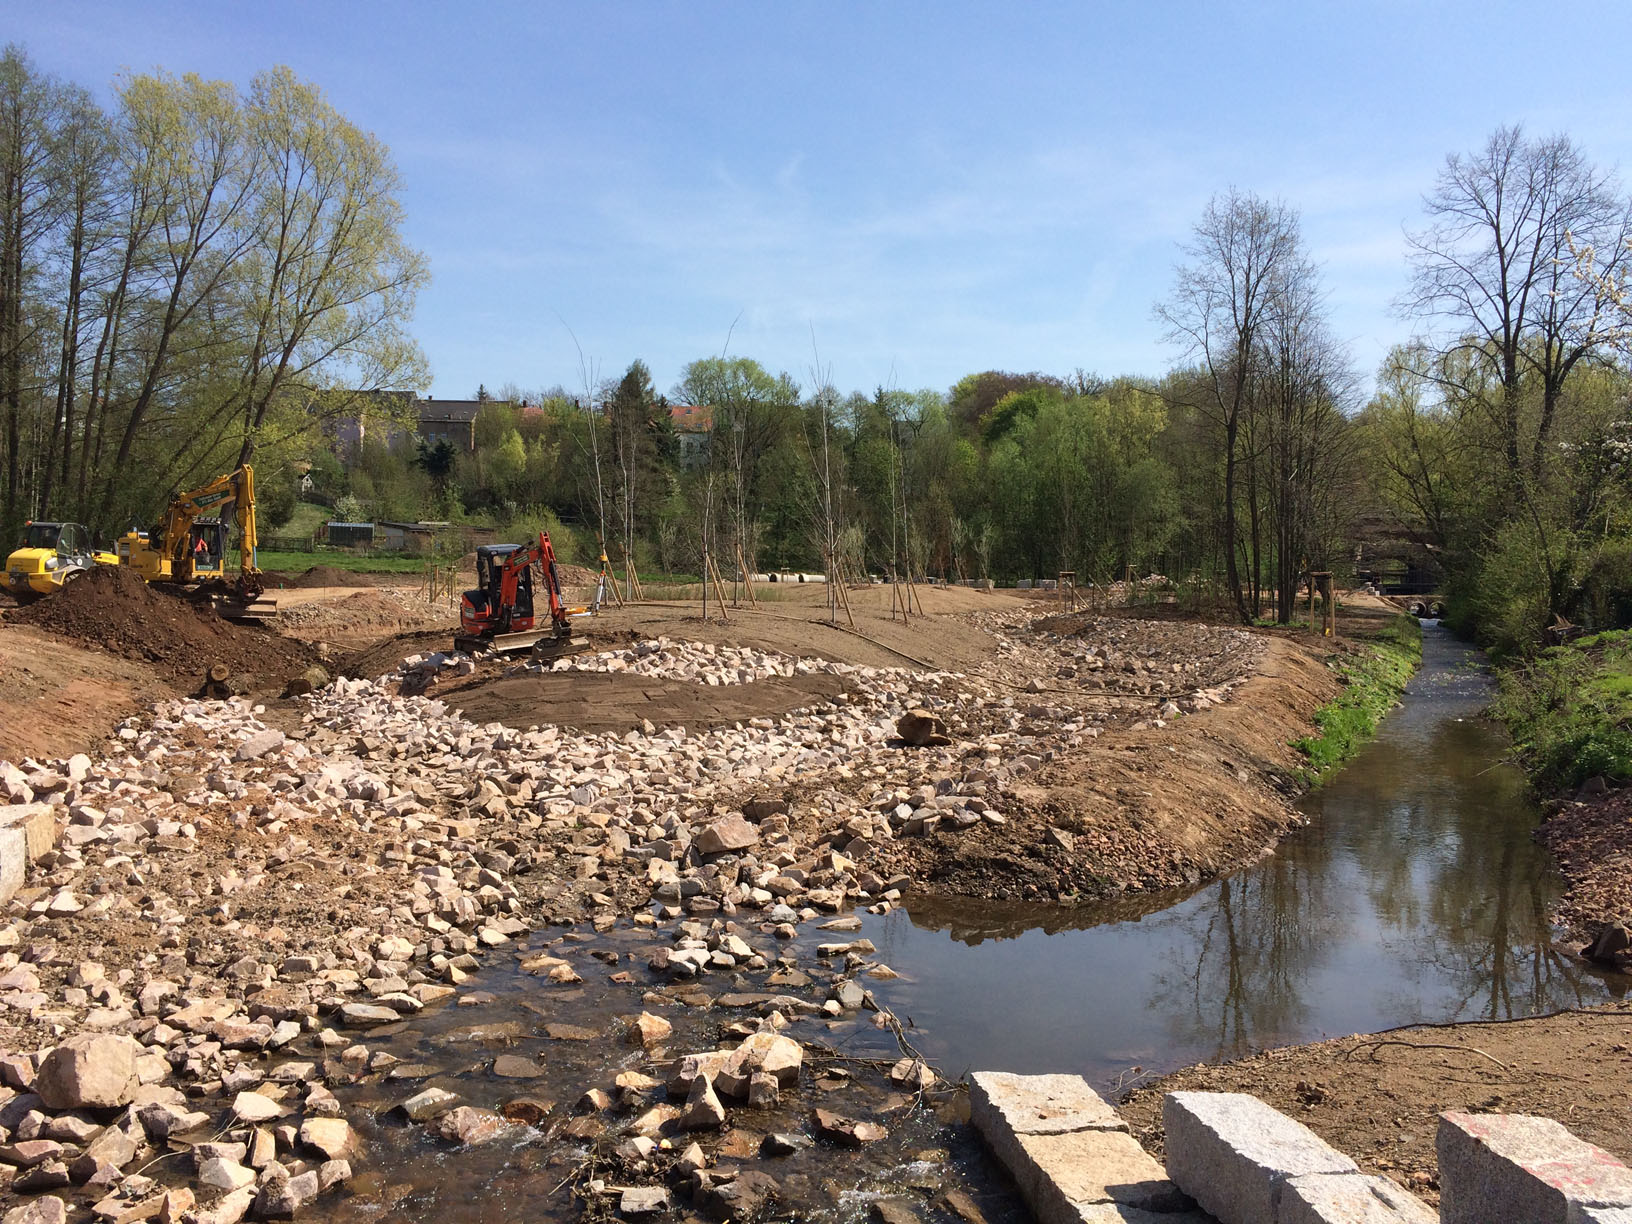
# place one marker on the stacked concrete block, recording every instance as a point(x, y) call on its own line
point(1249, 1164)
point(1525, 1170)
point(1070, 1154)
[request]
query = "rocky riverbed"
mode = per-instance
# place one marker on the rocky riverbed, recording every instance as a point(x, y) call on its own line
point(248, 905)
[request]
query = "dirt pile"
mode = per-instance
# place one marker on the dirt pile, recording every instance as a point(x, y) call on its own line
point(327, 576)
point(362, 615)
point(114, 609)
point(323, 576)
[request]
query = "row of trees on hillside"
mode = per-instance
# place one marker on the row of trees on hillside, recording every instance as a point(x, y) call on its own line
point(187, 279)
point(1006, 476)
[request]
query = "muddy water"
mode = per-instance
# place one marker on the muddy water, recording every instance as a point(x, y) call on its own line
point(1414, 894)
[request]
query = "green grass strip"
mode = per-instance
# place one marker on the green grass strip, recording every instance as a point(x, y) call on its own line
point(1569, 709)
point(1372, 683)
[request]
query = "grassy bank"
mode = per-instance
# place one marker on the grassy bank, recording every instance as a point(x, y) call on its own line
point(1372, 683)
point(1569, 709)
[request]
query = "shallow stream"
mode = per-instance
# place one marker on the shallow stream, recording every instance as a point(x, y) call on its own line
point(1416, 893)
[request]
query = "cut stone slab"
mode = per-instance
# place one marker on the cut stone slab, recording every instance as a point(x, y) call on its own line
point(1069, 1153)
point(1068, 1172)
point(1038, 1104)
point(1350, 1198)
point(1003, 1106)
point(1590, 1215)
point(1234, 1154)
point(1515, 1167)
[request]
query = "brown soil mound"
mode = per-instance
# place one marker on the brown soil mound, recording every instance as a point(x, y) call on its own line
point(577, 575)
point(114, 609)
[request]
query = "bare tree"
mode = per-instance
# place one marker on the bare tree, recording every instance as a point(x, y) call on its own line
point(1495, 265)
point(1242, 252)
point(1303, 380)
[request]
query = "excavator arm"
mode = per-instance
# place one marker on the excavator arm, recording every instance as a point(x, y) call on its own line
point(175, 530)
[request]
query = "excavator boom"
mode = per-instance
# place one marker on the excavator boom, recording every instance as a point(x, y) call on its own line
point(187, 547)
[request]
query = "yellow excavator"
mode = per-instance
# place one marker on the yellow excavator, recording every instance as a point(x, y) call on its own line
point(188, 546)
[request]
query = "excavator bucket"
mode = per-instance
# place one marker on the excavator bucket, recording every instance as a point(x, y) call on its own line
point(553, 647)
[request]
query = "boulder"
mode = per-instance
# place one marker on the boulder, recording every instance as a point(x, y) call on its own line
point(258, 745)
point(743, 1197)
point(1611, 946)
point(726, 836)
point(648, 1030)
point(89, 1071)
point(46, 1210)
point(469, 1126)
point(922, 729)
point(331, 1136)
point(253, 1107)
point(703, 1109)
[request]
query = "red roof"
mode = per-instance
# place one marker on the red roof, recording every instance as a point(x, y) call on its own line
point(692, 418)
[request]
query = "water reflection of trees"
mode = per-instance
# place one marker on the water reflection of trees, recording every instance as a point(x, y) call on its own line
point(1239, 957)
point(1465, 912)
point(1419, 876)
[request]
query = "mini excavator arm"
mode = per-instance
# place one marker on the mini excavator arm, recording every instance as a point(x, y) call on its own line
point(541, 554)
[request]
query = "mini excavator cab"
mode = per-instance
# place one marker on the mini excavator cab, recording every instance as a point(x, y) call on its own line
point(486, 609)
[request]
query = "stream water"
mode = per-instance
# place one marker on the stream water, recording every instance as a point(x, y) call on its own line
point(1415, 893)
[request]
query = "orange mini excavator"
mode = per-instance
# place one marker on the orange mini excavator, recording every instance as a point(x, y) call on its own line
point(498, 615)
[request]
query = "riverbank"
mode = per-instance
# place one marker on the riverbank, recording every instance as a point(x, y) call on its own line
point(1569, 710)
point(1373, 680)
point(1378, 1096)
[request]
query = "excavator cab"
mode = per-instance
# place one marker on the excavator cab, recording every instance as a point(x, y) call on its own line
point(485, 610)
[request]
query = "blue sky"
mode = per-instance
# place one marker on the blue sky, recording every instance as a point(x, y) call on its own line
point(930, 189)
